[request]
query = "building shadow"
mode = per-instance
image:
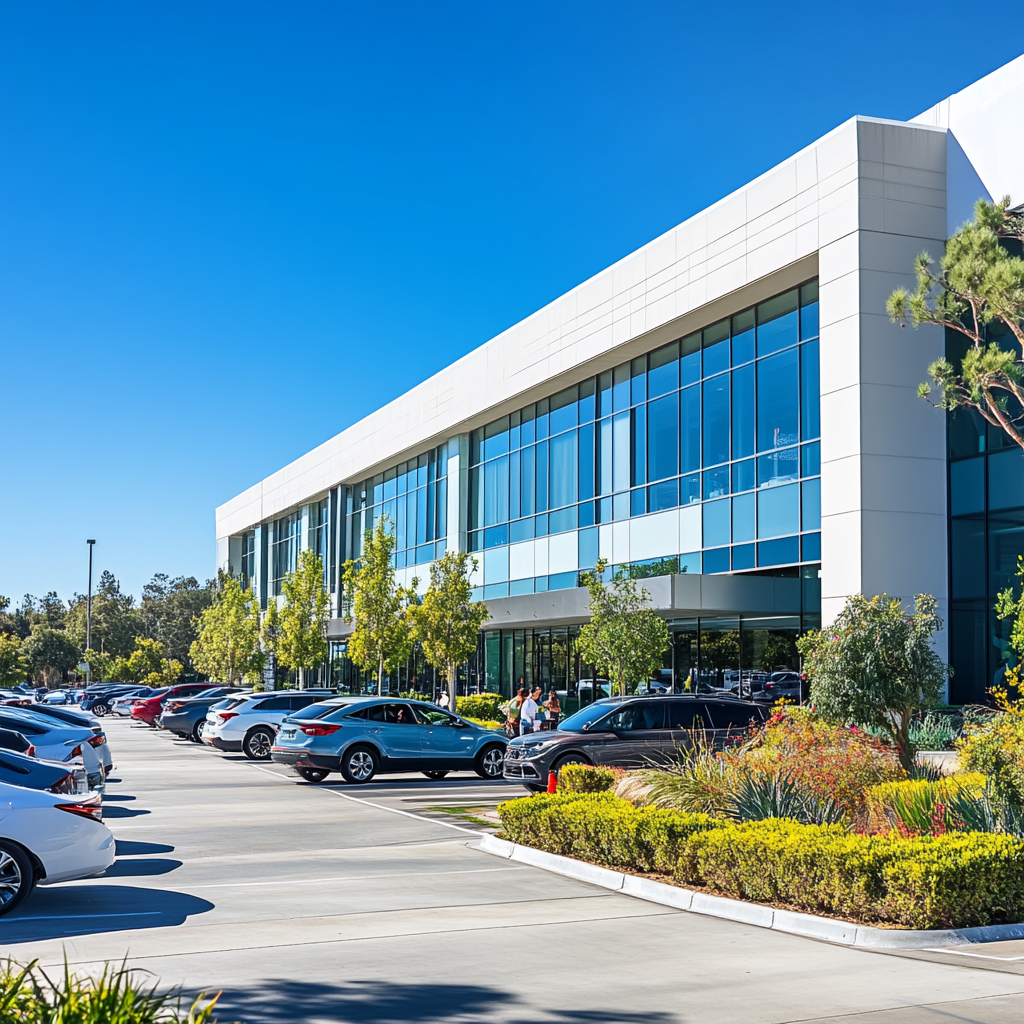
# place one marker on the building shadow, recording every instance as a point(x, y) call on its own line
point(52, 912)
point(284, 1001)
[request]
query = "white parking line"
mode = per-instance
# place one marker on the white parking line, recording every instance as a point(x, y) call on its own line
point(352, 878)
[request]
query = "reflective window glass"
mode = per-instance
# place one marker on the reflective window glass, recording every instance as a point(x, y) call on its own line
point(586, 460)
point(809, 310)
point(810, 497)
point(542, 476)
point(689, 419)
point(967, 486)
point(716, 348)
point(810, 392)
point(563, 411)
point(638, 456)
point(716, 516)
point(778, 401)
point(743, 337)
point(810, 545)
point(563, 469)
point(743, 411)
point(638, 383)
point(810, 459)
point(778, 552)
point(743, 476)
point(1006, 479)
point(663, 437)
point(621, 448)
point(778, 511)
point(604, 394)
point(528, 426)
point(662, 496)
point(967, 541)
point(777, 323)
point(604, 457)
point(743, 556)
point(496, 438)
point(689, 359)
point(620, 387)
point(587, 405)
point(716, 482)
point(743, 518)
point(716, 560)
point(689, 489)
point(663, 372)
point(716, 420)
point(778, 467)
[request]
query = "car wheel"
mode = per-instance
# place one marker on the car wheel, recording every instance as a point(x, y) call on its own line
point(313, 774)
point(17, 879)
point(257, 743)
point(359, 765)
point(198, 729)
point(490, 762)
point(435, 775)
point(570, 759)
point(101, 709)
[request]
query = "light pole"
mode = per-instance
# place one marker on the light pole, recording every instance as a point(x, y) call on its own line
point(88, 616)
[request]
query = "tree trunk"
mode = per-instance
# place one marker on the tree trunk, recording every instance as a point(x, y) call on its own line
point(302, 679)
point(903, 744)
point(453, 675)
point(380, 676)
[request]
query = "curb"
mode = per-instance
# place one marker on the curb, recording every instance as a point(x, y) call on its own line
point(792, 922)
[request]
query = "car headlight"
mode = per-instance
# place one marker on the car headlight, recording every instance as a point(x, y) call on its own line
point(536, 748)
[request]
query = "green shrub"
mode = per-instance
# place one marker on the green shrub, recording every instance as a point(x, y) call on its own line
point(29, 996)
point(416, 695)
point(995, 747)
point(485, 723)
point(480, 705)
point(950, 881)
point(586, 778)
point(913, 802)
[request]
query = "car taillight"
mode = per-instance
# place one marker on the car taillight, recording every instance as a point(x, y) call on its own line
point(31, 752)
point(67, 785)
point(95, 741)
point(319, 730)
point(87, 809)
point(227, 714)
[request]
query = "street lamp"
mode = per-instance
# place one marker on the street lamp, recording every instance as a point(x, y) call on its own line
point(88, 616)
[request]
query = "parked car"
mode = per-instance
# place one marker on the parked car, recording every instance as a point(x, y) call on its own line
point(58, 741)
point(360, 737)
point(98, 699)
point(788, 685)
point(72, 717)
point(46, 838)
point(249, 723)
point(146, 709)
point(630, 732)
point(186, 717)
point(22, 769)
point(10, 739)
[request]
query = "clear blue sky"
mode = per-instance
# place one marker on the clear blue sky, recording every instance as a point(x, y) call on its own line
point(231, 229)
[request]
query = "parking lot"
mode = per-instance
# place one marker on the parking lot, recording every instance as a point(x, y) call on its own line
point(341, 903)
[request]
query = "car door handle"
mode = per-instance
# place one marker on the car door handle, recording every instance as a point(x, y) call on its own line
point(373, 730)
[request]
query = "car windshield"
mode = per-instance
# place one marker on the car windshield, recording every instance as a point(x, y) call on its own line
point(213, 692)
point(316, 711)
point(585, 716)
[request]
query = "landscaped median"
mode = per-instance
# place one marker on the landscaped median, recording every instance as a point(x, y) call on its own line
point(955, 880)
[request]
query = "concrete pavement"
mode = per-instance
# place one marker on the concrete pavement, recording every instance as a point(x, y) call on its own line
point(306, 903)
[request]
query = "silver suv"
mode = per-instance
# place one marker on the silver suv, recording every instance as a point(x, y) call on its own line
point(250, 722)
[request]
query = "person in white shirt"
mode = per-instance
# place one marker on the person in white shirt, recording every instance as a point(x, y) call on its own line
point(528, 715)
point(444, 700)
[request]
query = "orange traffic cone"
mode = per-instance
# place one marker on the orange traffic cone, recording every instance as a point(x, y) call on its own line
point(552, 782)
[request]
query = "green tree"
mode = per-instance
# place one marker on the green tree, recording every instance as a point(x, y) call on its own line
point(1010, 605)
point(101, 668)
point(115, 621)
point(978, 292)
point(51, 654)
point(302, 644)
point(876, 666)
point(227, 647)
point(7, 623)
point(625, 637)
point(14, 667)
point(446, 622)
point(170, 612)
point(384, 631)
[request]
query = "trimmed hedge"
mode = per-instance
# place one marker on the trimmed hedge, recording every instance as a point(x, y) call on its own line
point(585, 778)
point(956, 880)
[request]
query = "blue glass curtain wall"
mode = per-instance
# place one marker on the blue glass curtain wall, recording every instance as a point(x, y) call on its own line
point(285, 551)
point(728, 416)
point(414, 496)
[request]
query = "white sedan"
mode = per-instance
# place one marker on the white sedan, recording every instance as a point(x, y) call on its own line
point(48, 837)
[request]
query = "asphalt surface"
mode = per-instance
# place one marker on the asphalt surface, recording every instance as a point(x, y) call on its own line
point(321, 903)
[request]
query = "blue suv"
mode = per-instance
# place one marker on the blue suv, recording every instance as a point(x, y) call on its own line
point(360, 736)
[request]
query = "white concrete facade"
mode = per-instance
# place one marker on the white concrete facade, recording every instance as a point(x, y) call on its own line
point(852, 209)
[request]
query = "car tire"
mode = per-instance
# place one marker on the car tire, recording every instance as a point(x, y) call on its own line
point(535, 787)
point(313, 774)
point(17, 876)
point(359, 765)
point(257, 743)
point(101, 709)
point(570, 759)
point(490, 761)
point(435, 775)
point(198, 729)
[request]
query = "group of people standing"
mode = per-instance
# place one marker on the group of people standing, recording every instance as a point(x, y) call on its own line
point(526, 712)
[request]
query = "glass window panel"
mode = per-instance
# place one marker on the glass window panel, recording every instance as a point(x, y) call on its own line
point(476, 497)
point(562, 581)
point(528, 427)
point(542, 476)
point(528, 487)
point(563, 413)
point(638, 457)
point(663, 436)
point(810, 459)
point(966, 433)
point(496, 491)
point(743, 411)
point(604, 510)
point(689, 449)
point(779, 552)
point(778, 401)
point(496, 438)
point(587, 461)
point(689, 489)
point(620, 471)
point(638, 384)
point(743, 557)
point(441, 518)
point(778, 511)
point(515, 431)
point(810, 491)
point(476, 448)
point(519, 588)
point(476, 540)
point(690, 562)
point(542, 419)
point(390, 484)
point(620, 505)
point(663, 372)
point(515, 476)
point(562, 520)
point(967, 540)
point(967, 486)
point(563, 470)
point(777, 323)
point(494, 590)
point(521, 530)
point(604, 394)
point(743, 518)
point(689, 359)
point(743, 476)
point(604, 457)
point(421, 515)
point(1006, 479)
point(809, 312)
point(716, 561)
point(587, 513)
point(620, 387)
point(716, 420)
point(810, 545)
point(494, 537)
point(1005, 544)
point(716, 348)
point(810, 392)
point(716, 515)
point(716, 482)
point(540, 584)
point(637, 501)
point(743, 337)
point(587, 400)
point(662, 496)
point(588, 548)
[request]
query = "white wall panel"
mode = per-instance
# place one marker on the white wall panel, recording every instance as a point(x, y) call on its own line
point(690, 529)
point(654, 536)
point(563, 552)
point(520, 560)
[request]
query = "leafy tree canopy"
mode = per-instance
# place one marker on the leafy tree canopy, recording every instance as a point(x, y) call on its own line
point(50, 653)
point(115, 621)
point(302, 644)
point(14, 666)
point(170, 609)
point(227, 645)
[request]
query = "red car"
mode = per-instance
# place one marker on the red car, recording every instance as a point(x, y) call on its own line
point(147, 709)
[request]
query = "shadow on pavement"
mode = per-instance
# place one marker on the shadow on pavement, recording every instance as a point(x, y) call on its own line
point(123, 812)
point(129, 848)
point(68, 909)
point(133, 868)
point(278, 1001)
point(118, 796)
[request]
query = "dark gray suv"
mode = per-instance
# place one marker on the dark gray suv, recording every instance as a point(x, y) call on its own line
point(628, 732)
